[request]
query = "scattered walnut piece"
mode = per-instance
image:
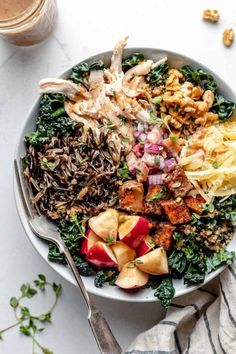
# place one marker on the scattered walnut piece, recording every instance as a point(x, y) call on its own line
point(211, 15)
point(228, 37)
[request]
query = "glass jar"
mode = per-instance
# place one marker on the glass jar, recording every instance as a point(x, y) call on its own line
point(27, 22)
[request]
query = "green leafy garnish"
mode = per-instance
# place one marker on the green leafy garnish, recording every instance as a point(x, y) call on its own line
point(157, 100)
point(131, 61)
point(218, 259)
point(156, 197)
point(154, 119)
point(165, 292)
point(72, 232)
point(52, 120)
point(110, 240)
point(103, 277)
point(215, 164)
point(124, 172)
point(27, 322)
point(199, 77)
point(158, 75)
point(80, 70)
point(224, 108)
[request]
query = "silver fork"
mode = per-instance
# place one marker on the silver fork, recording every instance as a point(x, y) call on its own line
point(43, 228)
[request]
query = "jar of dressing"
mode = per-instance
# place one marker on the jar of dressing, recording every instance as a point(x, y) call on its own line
point(27, 22)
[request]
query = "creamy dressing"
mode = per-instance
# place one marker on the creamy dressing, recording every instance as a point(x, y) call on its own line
point(13, 8)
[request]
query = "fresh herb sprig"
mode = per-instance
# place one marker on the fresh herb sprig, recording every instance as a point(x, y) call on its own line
point(28, 323)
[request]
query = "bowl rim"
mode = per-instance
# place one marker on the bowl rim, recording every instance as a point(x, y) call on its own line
point(23, 219)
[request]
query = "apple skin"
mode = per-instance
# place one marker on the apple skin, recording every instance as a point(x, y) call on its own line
point(131, 277)
point(123, 254)
point(145, 246)
point(101, 255)
point(154, 262)
point(105, 224)
point(89, 240)
point(133, 230)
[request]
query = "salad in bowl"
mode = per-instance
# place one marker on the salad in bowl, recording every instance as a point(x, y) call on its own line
point(134, 160)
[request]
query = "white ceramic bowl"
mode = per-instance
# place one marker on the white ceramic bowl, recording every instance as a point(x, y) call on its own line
point(112, 292)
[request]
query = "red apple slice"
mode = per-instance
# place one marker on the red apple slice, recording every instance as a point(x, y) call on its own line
point(123, 254)
point(145, 246)
point(154, 262)
point(133, 230)
point(89, 240)
point(131, 277)
point(105, 224)
point(101, 256)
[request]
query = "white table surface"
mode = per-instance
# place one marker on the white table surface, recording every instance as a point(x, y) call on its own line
point(83, 29)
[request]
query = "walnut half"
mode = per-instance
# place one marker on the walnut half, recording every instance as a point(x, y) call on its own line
point(228, 37)
point(211, 15)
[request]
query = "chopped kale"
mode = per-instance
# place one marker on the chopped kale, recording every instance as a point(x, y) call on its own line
point(158, 75)
point(199, 77)
point(72, 233)
point(218, 259)
point(131, 61)
point(165, 292)
point(224, 108)
point(103, 277)
point(80, 70)
point(52, 120)
point(178, 263)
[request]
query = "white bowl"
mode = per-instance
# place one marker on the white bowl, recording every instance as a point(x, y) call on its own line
point(112, 292)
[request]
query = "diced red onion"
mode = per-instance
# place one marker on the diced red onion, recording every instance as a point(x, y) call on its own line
point(133, 170)
point(165, 136)
point(140, 128)
point(164, 154)
point(153, 148)
point(161, 163)
point(138, 150)
point(155, 179)
point(155, 135)
point(142, 137)
point(136, 134)
point(170, 164)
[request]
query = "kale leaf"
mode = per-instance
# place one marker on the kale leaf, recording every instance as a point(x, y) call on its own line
point(52, 120)
point(158, 75)
point(227, 209)
point(194, 275)
point(165, 292)
point(80, 70)
point(199, 77)
point(178, 263)
point(103, 277)
point(131, 61)
point(224, 108)
point(72, 232)
point(220, 258)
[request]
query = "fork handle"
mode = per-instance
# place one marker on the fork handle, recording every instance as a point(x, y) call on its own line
point(64, 250)
point(101, 330)
point(102, 333)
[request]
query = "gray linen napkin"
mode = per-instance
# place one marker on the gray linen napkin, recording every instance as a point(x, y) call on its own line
point(201, 322)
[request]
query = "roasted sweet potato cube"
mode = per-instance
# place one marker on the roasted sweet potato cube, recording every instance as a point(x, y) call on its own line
point(164, 235)
point(195, 203)
point(177, 211)
point(152, 200)
point(131, 196)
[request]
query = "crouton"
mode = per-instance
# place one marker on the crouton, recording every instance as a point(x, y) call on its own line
point(178, 183)
point(164, 235)
point(177, 211)
point(195, 203)
point(152, 200)
point(131, 196)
